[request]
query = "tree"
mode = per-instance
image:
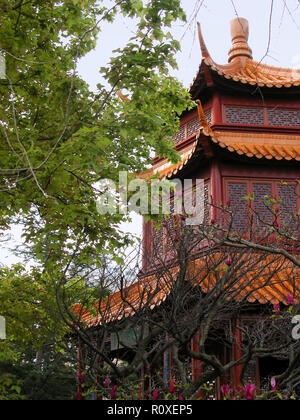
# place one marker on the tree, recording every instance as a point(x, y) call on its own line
point(58, 138)
point(194, 286)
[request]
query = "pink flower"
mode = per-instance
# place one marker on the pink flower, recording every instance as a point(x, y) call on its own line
point(249, 391)
point(78, 396)
point(113, 392)
point(228, 261)
point(276, 307)
point(212, 222)
point(183, 218)
point(180, 398)
point(81, 378)
point(172, 387)
point(155, 394)
point(273, 384)
point(276, 224)
point(106, 383)
point(225, 389)
point(290, 299)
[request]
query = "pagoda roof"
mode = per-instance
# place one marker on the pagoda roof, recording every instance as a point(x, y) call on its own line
point(263, 146)
point(241, 67)
point(269, 282)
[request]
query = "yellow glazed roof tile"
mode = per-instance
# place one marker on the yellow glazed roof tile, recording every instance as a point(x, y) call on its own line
point(242, 68)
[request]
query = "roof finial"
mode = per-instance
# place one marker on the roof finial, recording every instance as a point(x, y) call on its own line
point(204, 50)
point(239, 34)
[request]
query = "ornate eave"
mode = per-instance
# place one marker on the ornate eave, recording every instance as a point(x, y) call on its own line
point(262, 147)
point(128, 302)
point(241, 68)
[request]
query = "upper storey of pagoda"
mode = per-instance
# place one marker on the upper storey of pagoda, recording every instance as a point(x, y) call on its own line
point(247, 111)
point(242, 71)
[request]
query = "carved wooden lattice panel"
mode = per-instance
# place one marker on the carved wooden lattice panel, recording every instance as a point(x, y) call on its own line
point(193, 127)
point(165, 239)
point(283, 118)
point(208, 115)
point(157, 241)
point(180, 136)
point(288, 207)
point(201, 215)
point(262, 193)
point(244, 116)
point(239, 206)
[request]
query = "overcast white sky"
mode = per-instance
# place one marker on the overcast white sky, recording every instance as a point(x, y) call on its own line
point(214, 16)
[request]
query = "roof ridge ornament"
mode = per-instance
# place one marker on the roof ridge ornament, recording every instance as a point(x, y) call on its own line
point(204, 50)
point(239, 35)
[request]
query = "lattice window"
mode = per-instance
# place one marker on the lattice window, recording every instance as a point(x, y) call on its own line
point(283, 118)
point(288, 207)
point(206, 204)
point(193, 127)
point(180, 136)
point(201, 217)
point(208, 115)
point(239, 206)
point(244, 116)
point(262, 193)
point(203, 208)
point(171, 232)
point(157, 241)
point(163, 239)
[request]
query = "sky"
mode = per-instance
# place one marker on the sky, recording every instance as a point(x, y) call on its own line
point(214, 17)
point(275, 41)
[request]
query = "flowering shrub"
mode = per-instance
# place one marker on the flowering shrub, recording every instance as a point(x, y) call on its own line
point(174, 391)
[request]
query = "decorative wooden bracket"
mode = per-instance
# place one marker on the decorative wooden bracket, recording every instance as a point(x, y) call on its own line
point(206, 130)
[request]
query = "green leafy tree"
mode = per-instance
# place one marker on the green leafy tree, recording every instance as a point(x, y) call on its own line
point(58, 139)
point(28, 302)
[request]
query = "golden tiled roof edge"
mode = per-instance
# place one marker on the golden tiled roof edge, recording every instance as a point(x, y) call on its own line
point(241, 67)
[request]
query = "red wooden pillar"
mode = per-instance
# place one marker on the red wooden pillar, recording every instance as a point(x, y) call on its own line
point(217, 110)
point(196, 364)
point(237, 353)
point(146, 244)
point(216, 189)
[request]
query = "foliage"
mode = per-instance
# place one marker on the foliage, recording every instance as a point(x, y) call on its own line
point(28, 302)
point(59, 138)
point(54, 381)
point(10, 388)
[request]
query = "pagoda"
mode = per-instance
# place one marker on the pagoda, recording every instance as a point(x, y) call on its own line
point(243, 140)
